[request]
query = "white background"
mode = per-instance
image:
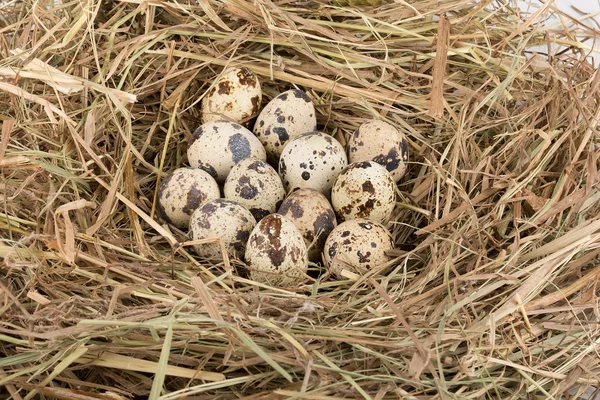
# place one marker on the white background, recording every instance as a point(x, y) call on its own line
point(587, 11)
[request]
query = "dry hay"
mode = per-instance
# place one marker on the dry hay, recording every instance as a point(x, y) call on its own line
point(494, 289)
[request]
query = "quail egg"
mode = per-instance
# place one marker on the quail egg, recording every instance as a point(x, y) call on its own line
point(381, 142)
point(216, 147)
point(311, 160)
point(276, 253)
point(182, 191)
point(364, 190)
point(222, 218)
point(286, 116)
point(358, 246)
point(256, 185)
point(236, 96)
point(312, 214)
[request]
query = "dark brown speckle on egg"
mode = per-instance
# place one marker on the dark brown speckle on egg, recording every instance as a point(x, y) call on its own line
point(245, 189)
point(195, 196)
point(182, 192)
point(239, 146)
point(279, 258)
point(224, 87)
point(222, 218)
point(246, 77)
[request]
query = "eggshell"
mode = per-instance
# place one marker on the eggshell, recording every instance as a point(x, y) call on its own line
point(226, 219)
point(381, 142)
point(364, 190)
point(276, 253)
point(182, 191)
point(236, 96)
point(311, 160)
point(256, 185)
point(283, 118)
point(358, 246)
point(312, 214)
point(216, 147)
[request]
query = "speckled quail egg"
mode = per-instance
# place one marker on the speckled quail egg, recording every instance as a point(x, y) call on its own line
point(182, 191)
point(216, 147)
point(286, 116)
point(381, 142)
point(312, 214)
point(256, 185)
point(226, 219)
point(311, 160)
point(236, 96)
point(276, 253)
point(357, 246)
point(364, 190)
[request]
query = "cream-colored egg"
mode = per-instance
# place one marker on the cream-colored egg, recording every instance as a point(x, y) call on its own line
point(182, 191)
point(216, 147)
point(364, 190)
point(311, 160)
point(256, 185)
point(236, 96)
point(358, 246)
point(226, 219)
point(381, 142)
point(276, 253)
point(312, 214)
point(283, 118)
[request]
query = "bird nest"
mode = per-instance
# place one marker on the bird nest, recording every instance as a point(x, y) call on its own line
point(493, 290)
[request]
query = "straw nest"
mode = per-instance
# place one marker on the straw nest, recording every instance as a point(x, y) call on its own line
point(493, 292)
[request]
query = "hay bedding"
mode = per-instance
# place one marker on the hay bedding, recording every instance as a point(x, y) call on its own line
point(493, 292)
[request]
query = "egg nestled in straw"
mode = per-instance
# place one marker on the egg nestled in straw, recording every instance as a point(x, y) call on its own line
point(283, 118)
point(364, 190)
point(312, 160)
point(182, 191)
point(256, 185)
point(276, 253)
point(312, 214)
point(222, 218)
point(357, 246)
point(235, 96)
point(381, 142)
point(216, 147)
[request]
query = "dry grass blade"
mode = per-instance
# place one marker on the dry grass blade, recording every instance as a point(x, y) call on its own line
point(493, 291)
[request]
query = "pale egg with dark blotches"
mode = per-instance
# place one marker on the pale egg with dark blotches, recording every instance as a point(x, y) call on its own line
point(312, 160)
point(312, 214)
point(358, 246)
point(276, 253)
point(381, 142)
point(364, 190)
point(182, 191)
point(225, 219)
point(256, 185)
point(235, 96)
point(216, 147)
point(283, 118)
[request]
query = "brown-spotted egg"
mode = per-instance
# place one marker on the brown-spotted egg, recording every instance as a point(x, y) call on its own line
point(216, 147)
point(235, 96)
point(255, 184)
point(381, 142)
point(182, 191)
point(364, 190)
point(222, 218)
point(276, 253)
point(312, 214)
point(311, 160)
point(357, 246)
point(286, 116)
